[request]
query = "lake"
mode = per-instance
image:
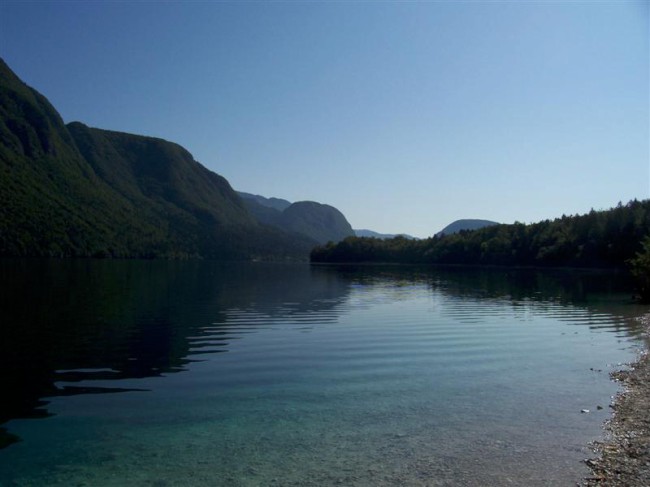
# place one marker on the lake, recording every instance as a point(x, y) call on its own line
point(156, 373)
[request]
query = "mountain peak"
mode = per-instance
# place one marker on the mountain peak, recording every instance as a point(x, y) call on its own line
point(465, 224)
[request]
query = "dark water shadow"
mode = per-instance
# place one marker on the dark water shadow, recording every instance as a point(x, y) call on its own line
point(67, 322)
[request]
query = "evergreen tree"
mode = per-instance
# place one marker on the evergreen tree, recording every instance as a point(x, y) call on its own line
point(641, 270)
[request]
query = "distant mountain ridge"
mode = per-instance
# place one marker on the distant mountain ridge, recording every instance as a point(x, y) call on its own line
point(373, 234)
point(275, 203)
point(317, 221)
point(465, 224)
point(75, 191)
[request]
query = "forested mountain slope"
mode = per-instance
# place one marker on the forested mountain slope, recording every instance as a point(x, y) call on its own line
point(319, 222)
point(323, 223)
point(79, 191)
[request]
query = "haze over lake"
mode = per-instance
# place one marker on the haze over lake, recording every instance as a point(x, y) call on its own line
point(199, 373)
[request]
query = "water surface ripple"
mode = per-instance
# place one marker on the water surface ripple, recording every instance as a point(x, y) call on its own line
point(192, 374)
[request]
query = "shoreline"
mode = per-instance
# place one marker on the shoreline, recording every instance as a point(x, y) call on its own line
point(624, 455)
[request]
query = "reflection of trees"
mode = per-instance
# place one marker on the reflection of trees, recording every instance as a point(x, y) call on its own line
point(598, 292)
point(87, 320)
point(604, 296)
point(572, 286)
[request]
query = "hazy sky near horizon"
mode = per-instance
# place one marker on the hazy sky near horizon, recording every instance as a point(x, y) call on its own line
point(403, 115)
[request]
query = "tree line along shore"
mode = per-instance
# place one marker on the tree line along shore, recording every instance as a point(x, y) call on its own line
point(617, 238)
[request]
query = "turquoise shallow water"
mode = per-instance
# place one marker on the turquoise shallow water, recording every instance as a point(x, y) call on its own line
point(191, 374)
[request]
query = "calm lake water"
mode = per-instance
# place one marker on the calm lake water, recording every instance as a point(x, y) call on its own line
point(204, 374)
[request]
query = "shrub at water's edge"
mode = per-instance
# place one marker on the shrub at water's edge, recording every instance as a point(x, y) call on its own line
point(607, 239)
point(640, 266)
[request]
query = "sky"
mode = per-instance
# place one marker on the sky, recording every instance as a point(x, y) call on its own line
point(403, 115)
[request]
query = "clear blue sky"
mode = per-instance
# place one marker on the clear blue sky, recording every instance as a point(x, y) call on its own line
point(405, 116)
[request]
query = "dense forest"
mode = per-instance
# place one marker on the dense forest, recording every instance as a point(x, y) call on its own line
point(598, 239)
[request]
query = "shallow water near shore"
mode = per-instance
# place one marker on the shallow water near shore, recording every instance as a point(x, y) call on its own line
point(199, 373)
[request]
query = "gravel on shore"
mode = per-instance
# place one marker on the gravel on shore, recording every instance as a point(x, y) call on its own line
point(624, 456)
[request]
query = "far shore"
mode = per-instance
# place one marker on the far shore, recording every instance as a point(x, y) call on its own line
point(624, 456)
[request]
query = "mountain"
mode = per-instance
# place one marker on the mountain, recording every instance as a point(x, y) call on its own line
point(46, 187)
point(460, 225)
point(319, 222)
point(71, 191)
point(267, 211)
point(323, 223)
point(373, 234)
point(275, 203)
